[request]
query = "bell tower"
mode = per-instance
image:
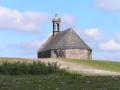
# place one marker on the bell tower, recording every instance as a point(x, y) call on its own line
point(56, 24)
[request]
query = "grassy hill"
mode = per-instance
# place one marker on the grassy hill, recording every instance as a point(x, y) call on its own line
point(62, 80)
point(106, 65)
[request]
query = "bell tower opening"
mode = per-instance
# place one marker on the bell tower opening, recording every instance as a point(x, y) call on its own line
point(56, 25)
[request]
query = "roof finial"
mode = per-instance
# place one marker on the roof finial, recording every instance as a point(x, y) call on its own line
point(56, 15)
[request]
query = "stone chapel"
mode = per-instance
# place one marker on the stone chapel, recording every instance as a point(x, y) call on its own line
point(64, 44)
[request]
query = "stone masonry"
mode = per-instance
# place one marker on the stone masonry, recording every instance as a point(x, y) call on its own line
point(68, 53)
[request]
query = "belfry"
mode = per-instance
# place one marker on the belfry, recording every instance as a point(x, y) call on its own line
point(56, 25)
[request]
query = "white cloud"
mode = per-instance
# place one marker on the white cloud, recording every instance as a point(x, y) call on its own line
point(31, 45)
point(27, 21)
point(93, 34)
point(117, 37)
point(27, 48)
point(110, 46)
point(68, 20)
point(108, 4)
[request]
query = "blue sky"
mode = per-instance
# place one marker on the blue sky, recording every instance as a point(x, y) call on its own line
point(26, 24)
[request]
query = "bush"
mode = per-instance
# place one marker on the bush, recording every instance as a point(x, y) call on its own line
point(35, 68)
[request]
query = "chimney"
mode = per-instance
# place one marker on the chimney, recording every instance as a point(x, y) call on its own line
point(56, 23)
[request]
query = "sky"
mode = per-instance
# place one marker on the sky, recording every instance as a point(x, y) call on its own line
point(26, 24)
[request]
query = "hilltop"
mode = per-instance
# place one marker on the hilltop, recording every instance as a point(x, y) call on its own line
point(89, 67)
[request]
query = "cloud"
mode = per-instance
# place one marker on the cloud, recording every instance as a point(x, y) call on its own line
point(27, 21)
point(117, 37)
point(92, 34)
point(114, 56)
point(34, 44)
point(110, 46)
point(30, 47)
point(68, 20)
point(108, 4)
point(27, 48)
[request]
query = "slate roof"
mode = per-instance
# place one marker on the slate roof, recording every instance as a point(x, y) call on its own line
point(66, 39)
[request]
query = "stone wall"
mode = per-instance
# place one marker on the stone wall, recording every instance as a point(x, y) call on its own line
point(89, 55)
point(72, 53)
point(68, 53)
point(79, 54)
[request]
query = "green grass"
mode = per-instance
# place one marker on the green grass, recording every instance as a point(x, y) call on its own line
point(106, 65)
point(35, 68)
point(59, 81)
point(12, 60)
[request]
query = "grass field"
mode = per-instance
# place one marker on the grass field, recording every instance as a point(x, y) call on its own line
point(62, 80)
point(58, 82)
point(107, 65)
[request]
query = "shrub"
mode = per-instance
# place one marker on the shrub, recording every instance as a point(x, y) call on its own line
point(35, 68)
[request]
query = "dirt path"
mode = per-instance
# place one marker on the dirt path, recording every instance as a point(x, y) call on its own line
point(74, 67)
